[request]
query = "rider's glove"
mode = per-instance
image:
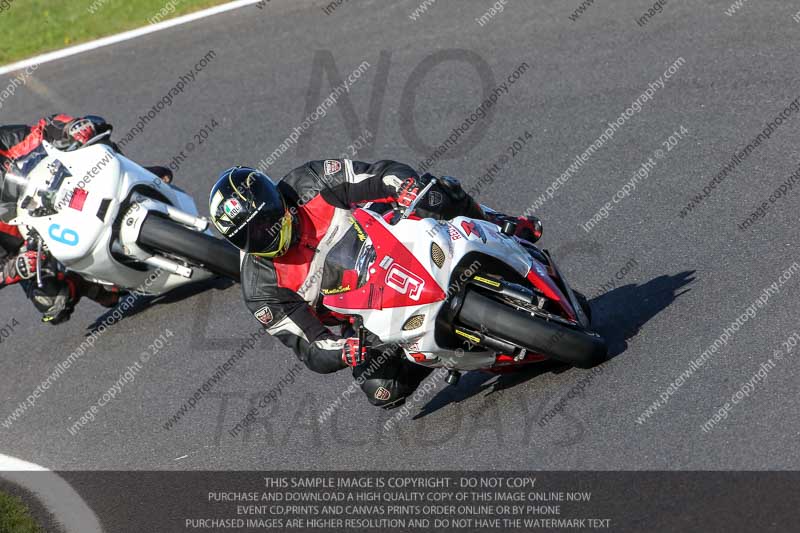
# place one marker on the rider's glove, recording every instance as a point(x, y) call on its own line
point(20, 268)
point(408, 192)
point(81, 130)
point(353, 354)
point(26, 264)
point(451, 186)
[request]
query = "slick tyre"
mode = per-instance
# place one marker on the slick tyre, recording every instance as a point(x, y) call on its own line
point(201, 249)
point(571, 346)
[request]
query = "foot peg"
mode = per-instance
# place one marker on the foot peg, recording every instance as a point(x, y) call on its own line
point(453, 377)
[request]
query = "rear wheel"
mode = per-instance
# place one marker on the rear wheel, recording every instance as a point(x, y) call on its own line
point(215, 255)
point(566, 344)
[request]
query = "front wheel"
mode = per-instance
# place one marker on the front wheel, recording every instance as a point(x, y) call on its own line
point(201, 249)
point(575, 347)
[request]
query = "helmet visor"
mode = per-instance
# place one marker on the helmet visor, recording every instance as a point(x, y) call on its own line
point(277, 237)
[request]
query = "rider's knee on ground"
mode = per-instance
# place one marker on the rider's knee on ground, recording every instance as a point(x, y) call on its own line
point(389, 383)
point(384, 392)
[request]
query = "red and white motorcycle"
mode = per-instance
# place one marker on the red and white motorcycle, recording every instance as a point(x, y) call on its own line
point(464, 294)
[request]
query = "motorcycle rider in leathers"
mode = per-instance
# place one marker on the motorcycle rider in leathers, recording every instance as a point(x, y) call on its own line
point(59, 291)
point(287, 230)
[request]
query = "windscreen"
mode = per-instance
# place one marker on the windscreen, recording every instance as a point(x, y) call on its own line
point(352, 252)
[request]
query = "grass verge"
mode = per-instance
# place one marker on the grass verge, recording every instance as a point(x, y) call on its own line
point(15, 517)
point(32, 27)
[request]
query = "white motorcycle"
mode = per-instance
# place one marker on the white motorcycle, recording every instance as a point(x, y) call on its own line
point(114, 223)
point(465, 294)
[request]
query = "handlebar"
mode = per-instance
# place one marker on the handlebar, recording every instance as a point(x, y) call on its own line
point(420, 196)
point(413, 205)
point(97, 138)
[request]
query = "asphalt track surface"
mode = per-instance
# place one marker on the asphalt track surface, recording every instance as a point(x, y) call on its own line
point(689, 279)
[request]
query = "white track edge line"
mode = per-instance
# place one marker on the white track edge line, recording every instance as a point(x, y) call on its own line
point(125, 36)
point(57, 496)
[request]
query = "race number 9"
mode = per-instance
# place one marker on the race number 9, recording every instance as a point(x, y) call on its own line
point(67, 236)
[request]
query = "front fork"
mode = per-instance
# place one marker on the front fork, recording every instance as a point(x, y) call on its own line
point(544, 257)
point(476, 335)
point(34, 238)
point(583, 320)
point(529, 300)
point(133, 219)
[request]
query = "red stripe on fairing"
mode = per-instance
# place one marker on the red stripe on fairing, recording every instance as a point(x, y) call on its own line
point(315, 219)
point(551, 291)
point(376, 294)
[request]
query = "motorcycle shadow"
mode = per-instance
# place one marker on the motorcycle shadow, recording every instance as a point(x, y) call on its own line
point(136, 303)
point(618, 315)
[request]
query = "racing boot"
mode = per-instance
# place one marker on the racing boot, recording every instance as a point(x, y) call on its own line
point(55, 299)
point(388, 381)
point(107, 296)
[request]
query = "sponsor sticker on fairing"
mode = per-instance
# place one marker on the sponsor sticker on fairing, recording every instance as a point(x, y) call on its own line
point(78, 199)
point(454, 233)
point(337, 290)
point(332, 166)
point(471, 228)
point(264, 315)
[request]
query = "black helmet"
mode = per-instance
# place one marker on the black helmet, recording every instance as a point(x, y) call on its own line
point(248, 210)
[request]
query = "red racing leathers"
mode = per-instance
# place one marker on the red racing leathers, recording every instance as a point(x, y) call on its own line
point(284, 293)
